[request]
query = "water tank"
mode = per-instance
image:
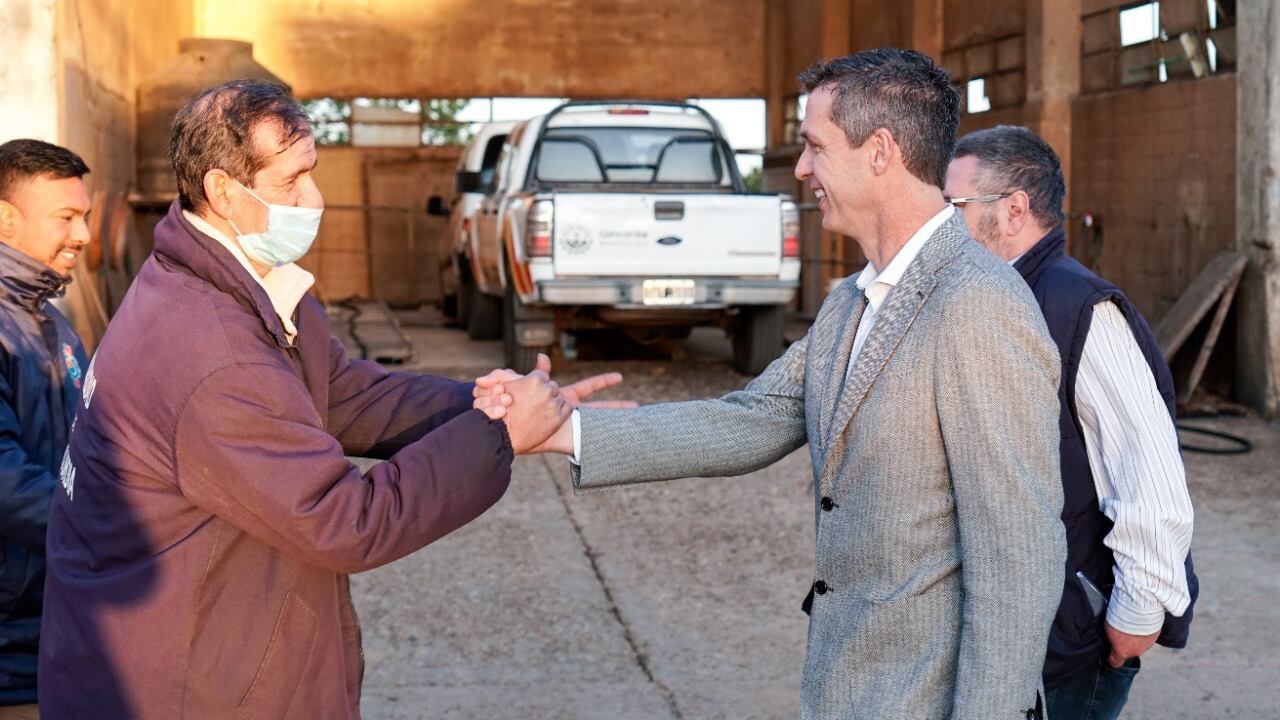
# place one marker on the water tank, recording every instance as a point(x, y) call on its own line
point(201, 64)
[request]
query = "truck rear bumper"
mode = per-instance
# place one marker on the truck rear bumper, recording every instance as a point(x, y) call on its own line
point(708, 293)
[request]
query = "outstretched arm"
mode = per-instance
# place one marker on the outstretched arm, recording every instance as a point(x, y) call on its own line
point(733, 435)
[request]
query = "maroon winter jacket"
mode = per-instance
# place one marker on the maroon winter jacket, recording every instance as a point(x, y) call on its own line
point(199, 547)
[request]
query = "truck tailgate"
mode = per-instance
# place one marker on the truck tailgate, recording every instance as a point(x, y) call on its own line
point(667, 235)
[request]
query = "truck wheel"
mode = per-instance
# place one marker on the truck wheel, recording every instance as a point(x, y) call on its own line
point(464, 306)
point(485, 316)
point(758, 339)
point(465, 288)
point(514, 355)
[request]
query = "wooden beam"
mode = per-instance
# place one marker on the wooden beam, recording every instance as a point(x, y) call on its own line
point(777, 76)
point(1054, 32)
point(836, 26)
point(1210, 341)
point(1220, 275)
point(1215, 285)
point(926, 28)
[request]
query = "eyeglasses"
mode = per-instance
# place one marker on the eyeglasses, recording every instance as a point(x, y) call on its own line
point(962, 201)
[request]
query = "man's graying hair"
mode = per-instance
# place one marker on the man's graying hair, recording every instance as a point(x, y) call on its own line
point(1014, 158)
point(215, 131)
point(901, 91)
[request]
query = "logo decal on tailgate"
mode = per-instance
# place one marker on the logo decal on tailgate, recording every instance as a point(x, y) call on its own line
point(576, 240)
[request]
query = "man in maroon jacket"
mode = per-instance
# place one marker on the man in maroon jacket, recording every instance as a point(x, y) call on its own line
point(207, 520)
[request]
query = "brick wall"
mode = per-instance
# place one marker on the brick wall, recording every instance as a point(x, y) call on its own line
point(1156, 167)
point(339, 259)
point(366, 253)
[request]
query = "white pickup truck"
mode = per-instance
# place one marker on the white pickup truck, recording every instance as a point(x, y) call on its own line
point(473, 180)
point(632, 215)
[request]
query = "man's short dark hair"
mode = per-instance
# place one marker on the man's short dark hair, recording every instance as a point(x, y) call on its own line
point(215, 131)
point(1014, 158)
point(22, 160)
point(899, 90)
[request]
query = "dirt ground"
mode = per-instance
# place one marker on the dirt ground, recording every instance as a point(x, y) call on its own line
point(682, 600)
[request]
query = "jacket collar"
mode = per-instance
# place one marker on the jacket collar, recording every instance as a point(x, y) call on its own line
point(285, 284)
point(845, 396)
point(179, 243)
point(1042, 255)
point(892, 274)
point(27, 282)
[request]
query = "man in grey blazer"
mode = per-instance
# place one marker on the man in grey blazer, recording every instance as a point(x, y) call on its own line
point(927, 393)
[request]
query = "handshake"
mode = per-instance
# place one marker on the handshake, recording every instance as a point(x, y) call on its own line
point(536, 409)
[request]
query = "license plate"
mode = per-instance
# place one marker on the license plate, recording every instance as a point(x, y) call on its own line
point(668, 292)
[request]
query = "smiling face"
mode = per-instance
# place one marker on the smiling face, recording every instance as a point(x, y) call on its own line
point(45, 219)
point(838, 173)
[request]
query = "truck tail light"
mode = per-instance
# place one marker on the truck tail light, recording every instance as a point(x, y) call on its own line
point(539, 226)
point(790, 230)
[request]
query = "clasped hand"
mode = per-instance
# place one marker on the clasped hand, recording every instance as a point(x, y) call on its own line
point(536, 409)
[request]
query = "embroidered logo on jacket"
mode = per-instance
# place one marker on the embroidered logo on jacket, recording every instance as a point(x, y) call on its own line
point(73, 365)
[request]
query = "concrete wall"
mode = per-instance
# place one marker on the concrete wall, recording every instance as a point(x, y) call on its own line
point(104, 48)
point(971, 22)
point(29, 73)
point(1258, 219)
point(1156, 166)
point(454, 48)
point(68, 77)
point(875, 23)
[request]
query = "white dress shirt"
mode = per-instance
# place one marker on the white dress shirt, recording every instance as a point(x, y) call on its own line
point(876, 285)
point(285, 284)
point(1137, 473)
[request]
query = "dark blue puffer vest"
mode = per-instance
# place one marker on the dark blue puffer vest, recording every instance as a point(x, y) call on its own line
point(1067, 292)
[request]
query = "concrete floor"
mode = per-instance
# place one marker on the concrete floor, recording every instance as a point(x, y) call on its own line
point(682, 600)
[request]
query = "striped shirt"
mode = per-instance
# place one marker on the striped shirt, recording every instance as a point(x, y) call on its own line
point(1138, 475)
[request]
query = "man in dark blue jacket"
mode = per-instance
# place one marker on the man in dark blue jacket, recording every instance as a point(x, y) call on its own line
point(1127, 512)
point(43, 205)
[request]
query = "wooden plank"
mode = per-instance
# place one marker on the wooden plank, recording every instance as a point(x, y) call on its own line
point(1222, 273)
point(1210, 341)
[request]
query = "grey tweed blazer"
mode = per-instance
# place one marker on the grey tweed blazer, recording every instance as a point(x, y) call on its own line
point(936, 485)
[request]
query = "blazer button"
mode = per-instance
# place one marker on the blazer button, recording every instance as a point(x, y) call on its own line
point(827, 503)
point(820, 587)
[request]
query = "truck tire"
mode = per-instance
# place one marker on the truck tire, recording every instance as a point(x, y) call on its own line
point(464, 306)
point(464, 291)
point(758, 339)
point(484, 321)
point(514, 355)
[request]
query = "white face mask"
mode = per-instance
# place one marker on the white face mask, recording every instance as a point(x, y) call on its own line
point(289, 234)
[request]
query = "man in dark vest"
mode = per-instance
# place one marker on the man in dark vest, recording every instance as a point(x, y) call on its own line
point(1129, 580)
point(43, 204)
